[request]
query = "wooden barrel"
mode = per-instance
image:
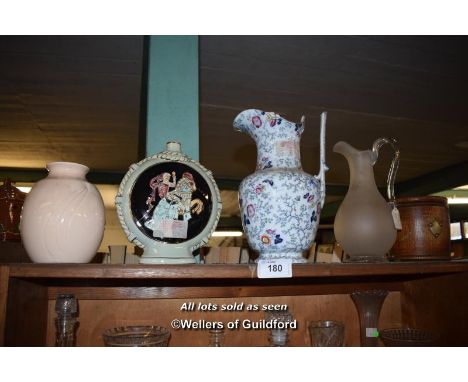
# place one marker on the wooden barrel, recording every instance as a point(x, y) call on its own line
point(425, 233)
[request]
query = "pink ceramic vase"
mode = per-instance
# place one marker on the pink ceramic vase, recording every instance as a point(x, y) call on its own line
point(63, 216)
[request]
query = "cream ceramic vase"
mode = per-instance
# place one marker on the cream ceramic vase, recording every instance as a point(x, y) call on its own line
point(280, 204)
point(63, 216)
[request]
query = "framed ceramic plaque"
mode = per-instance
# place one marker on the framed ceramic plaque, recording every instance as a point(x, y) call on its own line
point(169, 205)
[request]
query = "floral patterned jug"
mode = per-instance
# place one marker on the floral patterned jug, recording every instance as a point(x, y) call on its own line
point(280, 204)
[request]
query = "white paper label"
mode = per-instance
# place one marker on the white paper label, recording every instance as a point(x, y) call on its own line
point(372, 332)
point(396, 218)
point(176, 229)
point(269, 269)
point(286, 148)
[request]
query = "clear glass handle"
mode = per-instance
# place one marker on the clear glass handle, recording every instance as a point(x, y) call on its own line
point(379, 142)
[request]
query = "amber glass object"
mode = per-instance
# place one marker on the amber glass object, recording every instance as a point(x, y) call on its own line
point(368, 304)
point(364, 226)
point(11, 202)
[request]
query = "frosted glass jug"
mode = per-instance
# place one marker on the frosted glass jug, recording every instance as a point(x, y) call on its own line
point(364, 225)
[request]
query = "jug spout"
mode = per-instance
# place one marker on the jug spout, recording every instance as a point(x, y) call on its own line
point(241, 122)
point(257, 122)
point(278, 140)
point(360, 164)
point(344, 149)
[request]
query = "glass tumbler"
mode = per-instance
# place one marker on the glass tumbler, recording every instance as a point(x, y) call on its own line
point(278, 336)
point(326, 333)
point(66, 308)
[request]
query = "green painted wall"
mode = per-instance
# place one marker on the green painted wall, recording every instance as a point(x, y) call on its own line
point(173, 94)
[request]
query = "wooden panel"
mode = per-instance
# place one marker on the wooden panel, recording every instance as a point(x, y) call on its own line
point(443, 179)
point(4, 272)
point(97, 315)
point(419, 155)
point(420, 216)
point(438, 305)
point(113, 293)
point(73, 98)
point(26, 320)
point(459, 248)
point(405, 87)
point(59, 93)
point(13, 252)
point(433, 297)
point(221, 271)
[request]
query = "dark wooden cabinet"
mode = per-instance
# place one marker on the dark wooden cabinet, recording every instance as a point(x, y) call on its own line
point(428, 295)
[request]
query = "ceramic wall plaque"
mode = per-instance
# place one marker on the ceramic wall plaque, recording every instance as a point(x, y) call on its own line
point(169, 205)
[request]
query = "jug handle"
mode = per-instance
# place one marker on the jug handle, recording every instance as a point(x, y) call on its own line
point(323, 165)
point(379, 142)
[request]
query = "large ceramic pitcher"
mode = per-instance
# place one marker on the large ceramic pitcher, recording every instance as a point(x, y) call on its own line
point(280, 204)
point(364, 225)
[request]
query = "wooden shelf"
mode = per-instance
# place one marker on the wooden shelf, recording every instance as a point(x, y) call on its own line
point(429, 295)
point(228, 271)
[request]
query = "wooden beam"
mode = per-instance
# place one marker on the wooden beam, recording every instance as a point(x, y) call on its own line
point(458, 212)
point(143, 100)
point(228, 184)
point(329, 211)
point(27, 175)
point(430, 183)
point(440, 180)
point(336, 189)
point(32, 175)
point(230, 222)
point(4, 279)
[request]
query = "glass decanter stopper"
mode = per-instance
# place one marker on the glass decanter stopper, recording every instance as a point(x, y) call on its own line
point(216, 338)
point(278, 321)
point(66, 308)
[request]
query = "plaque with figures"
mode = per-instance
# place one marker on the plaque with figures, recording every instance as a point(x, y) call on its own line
point(169, 205)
